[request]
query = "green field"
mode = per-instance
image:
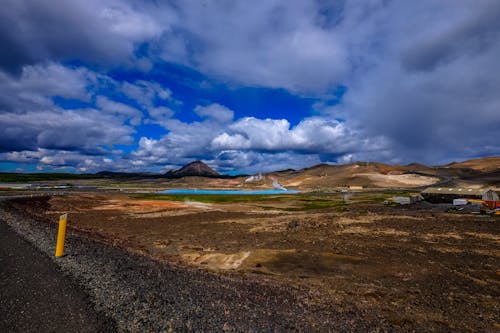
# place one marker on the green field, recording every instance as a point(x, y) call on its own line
point(294, 202)
point(218, 198)
point(286, 202)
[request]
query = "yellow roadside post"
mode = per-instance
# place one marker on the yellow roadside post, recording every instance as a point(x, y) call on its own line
point(61, 234)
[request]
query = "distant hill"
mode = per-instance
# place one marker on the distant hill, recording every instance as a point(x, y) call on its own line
point(196, 168)
point(113, 174)
point(480, 171)
point(485, 164)
point(477, 172)
point(366, 174)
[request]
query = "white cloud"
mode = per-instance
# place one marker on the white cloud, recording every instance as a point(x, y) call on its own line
point(116, 108)
point(316, 135)
point(85, 129)
point(37, 85)
point(235, 141)
point(144, 92)
point(252, 162)
point(160, 114)
point(248, 142)
point(30, 119)
point(55, 159)
point(126, 21)
point(215, 112)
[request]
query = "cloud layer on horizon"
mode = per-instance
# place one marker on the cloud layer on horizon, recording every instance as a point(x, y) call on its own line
point(420, 82)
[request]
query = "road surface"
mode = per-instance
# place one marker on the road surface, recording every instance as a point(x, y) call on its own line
point(36, 297)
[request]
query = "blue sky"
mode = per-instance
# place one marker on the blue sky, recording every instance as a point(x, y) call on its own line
point(246, 86)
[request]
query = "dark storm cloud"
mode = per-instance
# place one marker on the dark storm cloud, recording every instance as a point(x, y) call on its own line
point(92, 31)
point(443, 102)
point(474, 36)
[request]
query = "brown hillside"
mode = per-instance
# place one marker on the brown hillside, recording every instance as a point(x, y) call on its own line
point(486, 164)
point(366, 174)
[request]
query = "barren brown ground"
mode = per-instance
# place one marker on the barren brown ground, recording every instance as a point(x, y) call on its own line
point(420, 269)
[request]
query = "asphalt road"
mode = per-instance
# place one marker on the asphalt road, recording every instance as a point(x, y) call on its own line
point(36, 297)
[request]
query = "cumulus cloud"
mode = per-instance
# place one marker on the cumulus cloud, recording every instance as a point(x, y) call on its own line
point(413, 71)
point(145, 93)
point(85, 129)
point(35, 129)
point(254, 162)
point(31, 120)
point(247, 143)
point(312, 135)
point(37, 85)
point(185, 141)
point(49, 159)
point(116, 108)
point(216, 112)
point(160, 114)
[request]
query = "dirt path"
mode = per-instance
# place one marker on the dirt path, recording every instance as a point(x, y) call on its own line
point(36, 297)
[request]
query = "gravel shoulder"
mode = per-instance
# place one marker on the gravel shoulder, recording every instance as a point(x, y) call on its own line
point(143, 295)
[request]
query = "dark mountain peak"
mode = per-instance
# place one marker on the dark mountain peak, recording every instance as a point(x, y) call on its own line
point(196, 168)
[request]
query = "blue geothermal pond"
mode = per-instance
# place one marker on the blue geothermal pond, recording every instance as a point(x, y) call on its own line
point(191, 191)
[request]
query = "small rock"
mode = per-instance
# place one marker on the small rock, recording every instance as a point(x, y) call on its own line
point(293, 225)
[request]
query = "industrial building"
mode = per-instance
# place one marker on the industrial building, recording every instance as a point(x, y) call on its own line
point(447, 195)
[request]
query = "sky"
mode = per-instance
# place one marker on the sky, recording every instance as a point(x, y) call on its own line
point(246, 86)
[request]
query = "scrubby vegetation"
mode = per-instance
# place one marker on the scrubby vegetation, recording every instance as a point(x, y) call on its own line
point(33, 177)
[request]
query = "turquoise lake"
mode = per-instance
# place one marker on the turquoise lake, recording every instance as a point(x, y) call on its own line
point(218, 192)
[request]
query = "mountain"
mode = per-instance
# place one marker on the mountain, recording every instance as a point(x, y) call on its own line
point(196, 168)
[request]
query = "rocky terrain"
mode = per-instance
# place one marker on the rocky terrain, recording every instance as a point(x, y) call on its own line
point(276, 263)
point(144, 295)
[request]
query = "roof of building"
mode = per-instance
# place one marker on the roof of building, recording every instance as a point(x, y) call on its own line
point(456, 190)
